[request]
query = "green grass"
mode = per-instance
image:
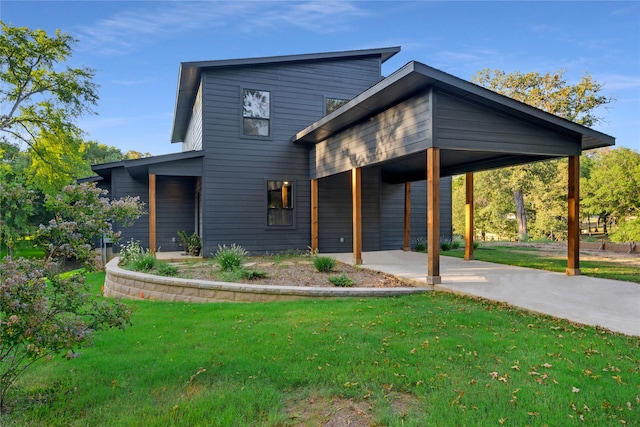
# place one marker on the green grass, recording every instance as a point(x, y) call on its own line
point(532, 258)
point(24, 249)
point(434, 359)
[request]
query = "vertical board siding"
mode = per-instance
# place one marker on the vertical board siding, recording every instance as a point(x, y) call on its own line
point(398, 131)
point(237, 168)
point(193, 137)
point(464, 125)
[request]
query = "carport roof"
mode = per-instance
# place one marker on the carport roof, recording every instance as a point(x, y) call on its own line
point(415, 77)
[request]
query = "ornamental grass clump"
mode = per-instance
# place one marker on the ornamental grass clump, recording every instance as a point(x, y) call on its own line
point(324, 264)
point(230, 257)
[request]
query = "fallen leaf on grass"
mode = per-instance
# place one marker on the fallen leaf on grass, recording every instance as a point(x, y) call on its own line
point(575, 390)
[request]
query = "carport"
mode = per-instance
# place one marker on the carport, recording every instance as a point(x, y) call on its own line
point(423, 124)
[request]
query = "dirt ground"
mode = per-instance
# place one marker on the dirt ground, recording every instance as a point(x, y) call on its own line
point(296, 271)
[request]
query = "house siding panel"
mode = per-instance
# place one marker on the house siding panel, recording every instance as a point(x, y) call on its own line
point(193, 137)
point(392, 210)
point(463, 125)
point(124, 185)
point(398, 131)
point(175, 204)
point(237, 168)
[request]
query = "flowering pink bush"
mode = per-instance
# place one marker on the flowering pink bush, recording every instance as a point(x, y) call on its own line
point(83, 215)
point(43, 314)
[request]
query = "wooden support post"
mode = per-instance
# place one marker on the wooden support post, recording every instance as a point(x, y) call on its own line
point(573, 232)
point(356, 203)
point(152, 213)
point(433, 216)
point(314, 215)
point(407, 217)
point(468, 215)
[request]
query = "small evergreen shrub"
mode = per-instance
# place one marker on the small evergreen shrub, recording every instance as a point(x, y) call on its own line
point(230, 257)
point(252, 274)
point(342, 280)
point(324, 264)
point(445, 245)
point(420, 244)
point(456, 243)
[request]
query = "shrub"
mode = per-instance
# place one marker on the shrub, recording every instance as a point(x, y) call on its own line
point(144, 262)
point(420, 244)
point(324, 264)
point(43, 313)
point(130, 252)
point(252, 274)
point(445, 245)
point(230, 257)
point(476, 244)
point(456, 243)
point(193, 243)
point(342, 280)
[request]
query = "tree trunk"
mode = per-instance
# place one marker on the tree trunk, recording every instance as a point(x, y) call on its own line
point(521, 215)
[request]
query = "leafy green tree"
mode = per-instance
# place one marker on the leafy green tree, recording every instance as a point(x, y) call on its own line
point(612, 190)
point(549, 92)
point(42, 100)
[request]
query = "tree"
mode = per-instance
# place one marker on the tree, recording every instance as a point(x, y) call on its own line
point(41, 103)
point(551, 93)
point(44, 313)
point(612, 190)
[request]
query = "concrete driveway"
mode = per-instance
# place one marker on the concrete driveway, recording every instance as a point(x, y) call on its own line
point(611, 304)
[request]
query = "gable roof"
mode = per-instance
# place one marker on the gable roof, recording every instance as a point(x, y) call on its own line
point(415, 77)
point(189, 77)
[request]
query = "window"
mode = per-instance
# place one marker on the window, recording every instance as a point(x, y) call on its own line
point(332, 104)
point(280, 203)
point(256, 112)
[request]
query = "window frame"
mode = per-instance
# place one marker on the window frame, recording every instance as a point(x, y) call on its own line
point(269, 120)
point(326, 100)
point(293, 184)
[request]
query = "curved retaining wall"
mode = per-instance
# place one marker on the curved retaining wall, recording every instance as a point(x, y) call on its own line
point(133, 285)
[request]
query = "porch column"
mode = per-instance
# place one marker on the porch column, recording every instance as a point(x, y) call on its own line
point(433, 216)
point(468, 215)
point(152, 213)
point(356, 204)
point(573, 232)
point(314, 215)
point(407, 217)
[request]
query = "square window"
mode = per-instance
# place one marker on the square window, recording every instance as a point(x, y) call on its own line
point(256, 112)
point(332, 104)
point(280, 203)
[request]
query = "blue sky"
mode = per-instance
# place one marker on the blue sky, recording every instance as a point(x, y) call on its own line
point(136, 47)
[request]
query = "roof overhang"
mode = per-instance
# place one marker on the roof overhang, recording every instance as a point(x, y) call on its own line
point(139, 168)
point(190, 73)
point(416, 77)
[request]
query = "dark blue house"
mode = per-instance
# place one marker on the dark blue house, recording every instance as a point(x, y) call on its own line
point(321, 151)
